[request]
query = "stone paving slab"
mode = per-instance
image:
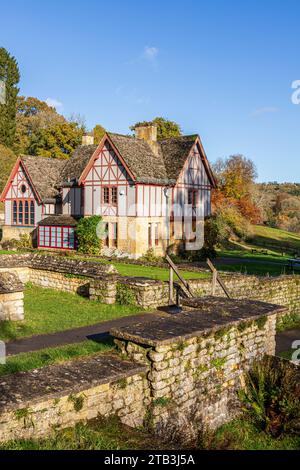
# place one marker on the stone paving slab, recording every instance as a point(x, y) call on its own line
point(62, 379)
point(212, 313)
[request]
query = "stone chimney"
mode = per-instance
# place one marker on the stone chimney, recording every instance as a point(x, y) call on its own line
point(88, 139)
point(149, 134)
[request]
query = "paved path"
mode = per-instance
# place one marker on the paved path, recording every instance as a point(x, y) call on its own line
point(285, 339)
point(99, 331)
point(93, 332)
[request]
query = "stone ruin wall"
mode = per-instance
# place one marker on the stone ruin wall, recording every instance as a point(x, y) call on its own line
point(181, 387)
point(100, 282)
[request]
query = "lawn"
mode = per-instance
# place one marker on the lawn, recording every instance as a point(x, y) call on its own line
point(258, 268)
point(161, 274)
point(48, 356)
point(48, 311)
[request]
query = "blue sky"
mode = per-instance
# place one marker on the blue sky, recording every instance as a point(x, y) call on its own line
point(221, 68)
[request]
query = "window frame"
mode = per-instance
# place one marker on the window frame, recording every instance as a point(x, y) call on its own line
point(23, 212)
point(63, 236)
point(109, 195)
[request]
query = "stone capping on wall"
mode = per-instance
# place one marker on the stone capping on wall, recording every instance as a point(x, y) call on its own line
point(10, 283)
point(211, 315)
point(57, 264)
point(27, 388)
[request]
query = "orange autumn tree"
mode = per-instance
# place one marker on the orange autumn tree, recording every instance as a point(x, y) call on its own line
point(236, 175)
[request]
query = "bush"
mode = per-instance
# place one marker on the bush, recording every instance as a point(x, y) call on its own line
point(11, 244)
point(25, 241)
point(271, 397)
point(149, 256)
point(88, 235)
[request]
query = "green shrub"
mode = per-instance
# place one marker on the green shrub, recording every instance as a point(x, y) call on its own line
point(25, 241)
point(149, 256)
point(87, 232)
point(271, 397)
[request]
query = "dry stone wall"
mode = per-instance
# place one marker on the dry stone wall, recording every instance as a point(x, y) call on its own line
point(176, 375)
point(34, 403)
point(197, 361)
point(100, 282)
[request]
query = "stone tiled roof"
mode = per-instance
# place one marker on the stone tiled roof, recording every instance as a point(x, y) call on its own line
point(175, 152)
point(44, 174)
point(160, 162)
point(77, 163)
point(144, 163)
point(61, 220)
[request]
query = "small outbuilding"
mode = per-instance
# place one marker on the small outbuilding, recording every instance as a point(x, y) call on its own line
point(57, 232)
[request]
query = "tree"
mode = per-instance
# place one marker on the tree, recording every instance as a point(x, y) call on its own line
point(165, 128)
point(10, 76)
point(32, 116)
point(57, 141)
point(98, 133)
point(7, 161)
point(235, 177)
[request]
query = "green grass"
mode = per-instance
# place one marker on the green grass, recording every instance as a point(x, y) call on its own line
point(48, 356)
point(279, 244)
point(242, 435)
point(139, 270)
point(275, 238)
point(97, 434)
point(259, 269)
point(48, 311)
point(161, 274)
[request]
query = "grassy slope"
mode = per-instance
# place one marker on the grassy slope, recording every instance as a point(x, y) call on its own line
point(48, 311)
point(273, 240)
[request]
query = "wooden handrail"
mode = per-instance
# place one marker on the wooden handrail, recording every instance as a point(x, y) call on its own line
point(173, 267)
point(216, 278)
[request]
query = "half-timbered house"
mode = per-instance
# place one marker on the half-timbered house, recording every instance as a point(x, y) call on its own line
point(145, 190)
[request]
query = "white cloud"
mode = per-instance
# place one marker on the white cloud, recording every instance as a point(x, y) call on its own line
point(265, 110)
point(150, 53)
point(53, 103)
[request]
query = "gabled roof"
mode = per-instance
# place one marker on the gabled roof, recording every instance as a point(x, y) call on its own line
point(146, 165)
point(159, 162)
point(44, 173)
point(175, 152)
point(77, 163)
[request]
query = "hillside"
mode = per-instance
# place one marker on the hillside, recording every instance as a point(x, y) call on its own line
point(280, 205)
